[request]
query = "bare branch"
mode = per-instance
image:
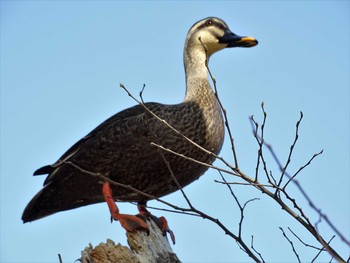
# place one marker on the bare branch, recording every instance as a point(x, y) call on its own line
point(194, 160)
point(291, 243)
point(260, 141)
point(291, 150)
point(305, 244)
point(306, 223)
point(241, 208)
point(171, 211)
point(252, 246)
point(301, 168)
point(248, 184)
point(175, 180)
point(313, 260)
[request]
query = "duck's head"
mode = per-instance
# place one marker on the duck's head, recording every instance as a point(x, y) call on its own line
point(213, 34)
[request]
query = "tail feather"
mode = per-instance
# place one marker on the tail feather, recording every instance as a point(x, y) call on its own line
point(40, 205)
point(47, 169)
point(57, 196)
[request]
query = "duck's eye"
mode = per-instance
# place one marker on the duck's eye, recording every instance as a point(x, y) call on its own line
point(209, 22)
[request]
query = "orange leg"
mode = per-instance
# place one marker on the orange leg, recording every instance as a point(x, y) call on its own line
point(129, 222)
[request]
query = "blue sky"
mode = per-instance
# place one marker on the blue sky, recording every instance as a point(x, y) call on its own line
point(61, 65)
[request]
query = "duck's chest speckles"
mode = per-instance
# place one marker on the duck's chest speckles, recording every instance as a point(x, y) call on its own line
point(214, 125)
point(215, 130)
point(201, 121)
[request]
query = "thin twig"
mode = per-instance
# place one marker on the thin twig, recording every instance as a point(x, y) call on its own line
point(255, 132)
point(241, 208)
point(291, 243)
point(175, 180)
point(252, 246)
point(261, 157)
point(311, 203)
point(194, 160)
point(284, 169)
point(301, 168)
point(248, 184)
point(306, 224)
point(238, 204)
point(301, 241)
point(221, 106)
point(262, 140)
point(313, 260)
point(171, 211)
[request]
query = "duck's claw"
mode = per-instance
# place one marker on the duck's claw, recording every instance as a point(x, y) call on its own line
point(162, 223)
point(165, 228)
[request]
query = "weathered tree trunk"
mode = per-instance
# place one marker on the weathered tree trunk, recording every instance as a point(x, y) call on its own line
point(142, 248)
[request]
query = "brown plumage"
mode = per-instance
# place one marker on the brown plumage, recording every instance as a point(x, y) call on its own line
point(120, 147)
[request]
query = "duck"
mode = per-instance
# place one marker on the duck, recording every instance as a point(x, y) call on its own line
point(123, 147)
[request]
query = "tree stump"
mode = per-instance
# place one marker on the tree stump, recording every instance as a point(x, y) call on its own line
point(142, 248)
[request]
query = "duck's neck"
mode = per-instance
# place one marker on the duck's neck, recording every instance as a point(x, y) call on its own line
point(197, 83)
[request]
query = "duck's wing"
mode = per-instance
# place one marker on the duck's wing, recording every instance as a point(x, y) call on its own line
point(124, 119)
point(66, 187)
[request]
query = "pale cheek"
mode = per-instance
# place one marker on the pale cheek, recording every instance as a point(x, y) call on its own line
point(212, 48)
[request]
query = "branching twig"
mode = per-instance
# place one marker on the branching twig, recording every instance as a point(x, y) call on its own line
point(311, 203)
point(260, 153)
point(260, 141)
point(305, 244)
point(241, 208)
point(313, 260)
point(194, 160)
point(252, 246)
point(175, 180)
point(307, 222)
point(291, 243)
point(284, 168)
point(248, 184)
point(301, 168)
point(171, 210)
point(239, 238)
